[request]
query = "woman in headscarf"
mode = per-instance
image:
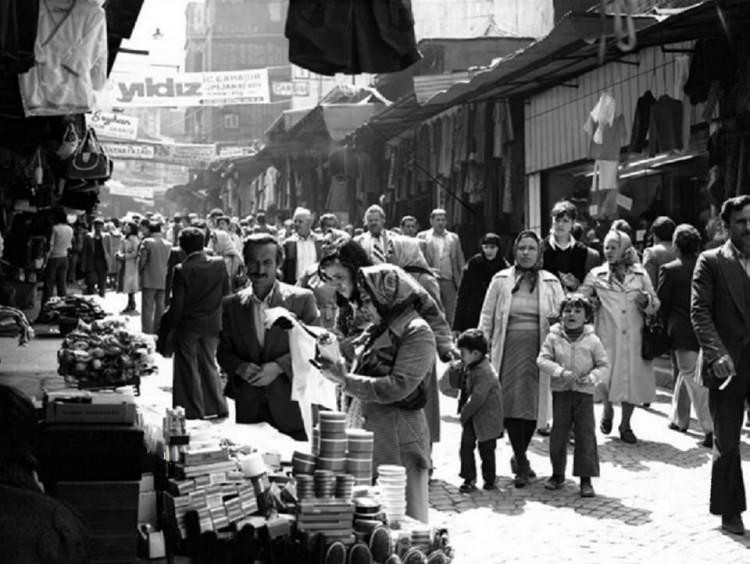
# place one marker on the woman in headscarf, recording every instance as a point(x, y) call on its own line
point(397, 355)
point(407, 254)
point(625, 295)
point(475, 280)
point(515, 318)
point(325, 294)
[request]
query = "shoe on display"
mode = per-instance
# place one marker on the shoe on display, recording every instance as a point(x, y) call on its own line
point(415, 556)
point(381, 544)
point(733, 524)
point(336, 554)
point(438, 557)
point(359, 554)
point(554, 482)
point(393, 559)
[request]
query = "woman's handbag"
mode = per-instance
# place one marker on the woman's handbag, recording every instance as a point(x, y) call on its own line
point(654, 339)
point(90, 161)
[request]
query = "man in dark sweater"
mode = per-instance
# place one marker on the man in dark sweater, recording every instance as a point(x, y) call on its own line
point(563, 255)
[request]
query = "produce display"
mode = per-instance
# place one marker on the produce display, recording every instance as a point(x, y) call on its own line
point(71, 309)
point(105, 354)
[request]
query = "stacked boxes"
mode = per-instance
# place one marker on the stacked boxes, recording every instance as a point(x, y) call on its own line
point(330, 517)
point(332, 449)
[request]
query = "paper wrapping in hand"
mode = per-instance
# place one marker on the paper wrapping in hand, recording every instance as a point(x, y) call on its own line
point(308, 384)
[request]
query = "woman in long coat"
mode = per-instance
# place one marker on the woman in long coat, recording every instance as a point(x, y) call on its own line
point(129, 257)
point(625, 295)
point(397, 356)
point(515, 318)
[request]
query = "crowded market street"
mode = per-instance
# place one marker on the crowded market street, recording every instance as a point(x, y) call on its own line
point(651, 503)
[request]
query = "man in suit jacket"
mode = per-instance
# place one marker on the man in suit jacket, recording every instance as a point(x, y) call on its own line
point(153, 258)
point(673, 290)
point(97, 258)
point(198, 288)
point(661, 252)
point(377, 240)
point(303, 249)
point(256, 359)
point(720, 312)
point(443, 252)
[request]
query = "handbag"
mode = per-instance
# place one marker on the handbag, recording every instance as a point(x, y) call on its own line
point(165, 336)
point(654, 338)
point(90, 161)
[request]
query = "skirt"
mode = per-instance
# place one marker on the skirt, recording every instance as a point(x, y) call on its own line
point(519, 374)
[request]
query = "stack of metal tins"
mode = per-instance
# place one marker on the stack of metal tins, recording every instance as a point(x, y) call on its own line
point(325, 483)
point(359, 455)
point(332, 449)
point(305, 487)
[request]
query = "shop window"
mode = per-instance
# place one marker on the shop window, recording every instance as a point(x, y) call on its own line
point(231, 121)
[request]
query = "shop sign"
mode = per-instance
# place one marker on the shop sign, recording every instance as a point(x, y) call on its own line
point(173, 153)
point(190, 89)
point(133, 151)
point(228, 152)
point(290, 88)
point(115, 126)
point(142, 192)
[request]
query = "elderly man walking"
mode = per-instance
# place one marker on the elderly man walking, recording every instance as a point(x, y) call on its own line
point(302, 249)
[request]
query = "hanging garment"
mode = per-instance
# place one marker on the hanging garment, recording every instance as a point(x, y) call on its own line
point(351, 36)
point(613, 138)
point(604, 189)
point(681, 75)
point(665, 126)
point(480, 132)
point(71, 59)
point(641, 122)
point(603, 115)
point(18, 22)
point(713, 59)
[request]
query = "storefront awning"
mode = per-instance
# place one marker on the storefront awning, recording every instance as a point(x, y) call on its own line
point(572, 49)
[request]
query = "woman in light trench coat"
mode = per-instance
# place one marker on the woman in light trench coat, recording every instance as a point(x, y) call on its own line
point(625, 295)
point(515, 319)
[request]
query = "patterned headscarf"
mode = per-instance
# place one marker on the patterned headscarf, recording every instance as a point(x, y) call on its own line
point(392, 289)
point(626, 255)
point(529, 274)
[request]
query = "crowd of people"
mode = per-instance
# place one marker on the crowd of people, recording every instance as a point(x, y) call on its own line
point(531, 344)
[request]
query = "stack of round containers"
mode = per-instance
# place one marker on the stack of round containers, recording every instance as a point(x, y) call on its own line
point(359, 455)
point(332, 448)
point(392, 482)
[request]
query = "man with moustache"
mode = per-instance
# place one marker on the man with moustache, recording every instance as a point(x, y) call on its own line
point(256, 359)
point(720, 314)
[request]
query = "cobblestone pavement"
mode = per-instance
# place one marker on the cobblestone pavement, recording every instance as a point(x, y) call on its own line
point(651, 503)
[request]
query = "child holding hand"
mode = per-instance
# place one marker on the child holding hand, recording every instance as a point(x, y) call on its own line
point(480, 407)
point(576, 361)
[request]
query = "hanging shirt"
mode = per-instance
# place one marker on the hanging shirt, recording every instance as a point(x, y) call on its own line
point(71, 59)
point(613, 138)
point(665, 127)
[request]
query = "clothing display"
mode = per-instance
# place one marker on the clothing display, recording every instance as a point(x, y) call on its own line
point(641, 122)
point(665, 126)
point(613, 137)
point(17, 35)
point(351, 36)
point(71, 59)
point(713, 60)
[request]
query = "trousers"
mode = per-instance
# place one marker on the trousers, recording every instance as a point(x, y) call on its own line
point(687, 391)
point(196, 382)
point(576, 409)
point(152, 308)
point(486, 455)
point(97, 276)
point(449, 296)
point(55, 276)
point(727, 409)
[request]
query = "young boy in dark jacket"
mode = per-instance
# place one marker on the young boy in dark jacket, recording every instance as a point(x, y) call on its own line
point(480, 406)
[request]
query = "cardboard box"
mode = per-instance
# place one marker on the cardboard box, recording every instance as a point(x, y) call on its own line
point(75, 406)
point(151, 544)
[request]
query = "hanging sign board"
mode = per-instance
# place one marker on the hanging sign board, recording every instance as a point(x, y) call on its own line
point(176, 153)
point(189, 89)
point(113, 125)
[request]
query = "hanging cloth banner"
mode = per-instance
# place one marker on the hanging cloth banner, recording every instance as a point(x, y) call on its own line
point(188, 89)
